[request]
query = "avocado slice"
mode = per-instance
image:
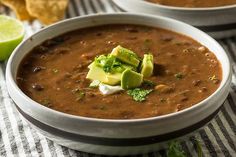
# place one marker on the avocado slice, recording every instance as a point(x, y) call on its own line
point(147, 65)
point(126, 56)
point(131, 79)
point(97, 73)
point(113, 79)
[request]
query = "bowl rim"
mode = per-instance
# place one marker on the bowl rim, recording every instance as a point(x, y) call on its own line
point(11, 80)
point(174, 8)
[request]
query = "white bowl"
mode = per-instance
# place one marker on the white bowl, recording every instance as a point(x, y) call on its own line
point(219, 22)
point(116, 137)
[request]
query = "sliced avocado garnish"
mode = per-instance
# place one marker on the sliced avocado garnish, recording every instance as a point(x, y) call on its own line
point(126, 56)
point(147, 65)
point(113, 79)
point(97, 73)
point(131, 79)
point(123, 68)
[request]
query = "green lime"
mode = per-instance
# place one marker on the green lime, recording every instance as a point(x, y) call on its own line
point(11, 34)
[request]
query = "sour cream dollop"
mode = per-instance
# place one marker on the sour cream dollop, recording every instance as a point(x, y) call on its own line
point(107, 89)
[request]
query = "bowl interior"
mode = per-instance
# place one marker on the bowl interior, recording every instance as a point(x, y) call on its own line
point(144, 2)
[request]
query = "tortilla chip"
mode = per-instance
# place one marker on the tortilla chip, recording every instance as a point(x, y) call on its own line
point(47, 11)
point(19, 7)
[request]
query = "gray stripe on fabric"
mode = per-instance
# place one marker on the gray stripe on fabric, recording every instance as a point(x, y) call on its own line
point(11, 137)
point(185, 148)
point(115, 8)
point(225, 132)
point(4, 130)
point(88, 7)
point(101, 5)
point(83, 6)
point(232, 46)
point(23, 137)
point(8, 128)
point(92, 6)
point(71, 11)
point(208, 143)
point(80, 154)
point(226, 45)
point(107, 6)
point(2, 145)
point(74, 7)
point(97, 6)
point(51, 148)
point(231, 103)
point(37, 142)
point(229, 120)
point(194, 141)
point(80, 9)
point(65, 151)
point(219, 141)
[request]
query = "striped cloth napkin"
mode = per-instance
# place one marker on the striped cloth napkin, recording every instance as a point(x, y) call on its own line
point(17, 138)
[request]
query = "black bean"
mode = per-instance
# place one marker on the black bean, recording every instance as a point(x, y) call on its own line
point(184, 98)
point(41, 49)
point(131, 30)
point(55, 41)
point(196, 82)
point(37, 87)
point(98, 34)
point(38, 68)
point(61, 50)
point(216, 81)
point(131, 38)
point(50, 43)
point(67, 75)
point(19, 79)
point(167, 38)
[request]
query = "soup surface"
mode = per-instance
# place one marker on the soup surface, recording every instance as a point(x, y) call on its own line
point(194, 3)
point(54, 73)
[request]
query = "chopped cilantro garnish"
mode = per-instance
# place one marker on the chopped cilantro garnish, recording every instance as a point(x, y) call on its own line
point(139, 94)
point(109, 64)
point(78, 93)
point(94, 84)
point(175, 150)
point(179, 76)
point(199, 148)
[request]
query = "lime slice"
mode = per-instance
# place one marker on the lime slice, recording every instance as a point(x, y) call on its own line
point(11, 34)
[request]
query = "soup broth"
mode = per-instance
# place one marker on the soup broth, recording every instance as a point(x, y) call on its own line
point(54, 73)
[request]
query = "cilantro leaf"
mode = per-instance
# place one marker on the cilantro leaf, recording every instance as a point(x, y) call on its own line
point(109, 63)
point(139, 94)
point(175, 150)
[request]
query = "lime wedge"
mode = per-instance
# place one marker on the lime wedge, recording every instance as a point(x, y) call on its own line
point(11, 34)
